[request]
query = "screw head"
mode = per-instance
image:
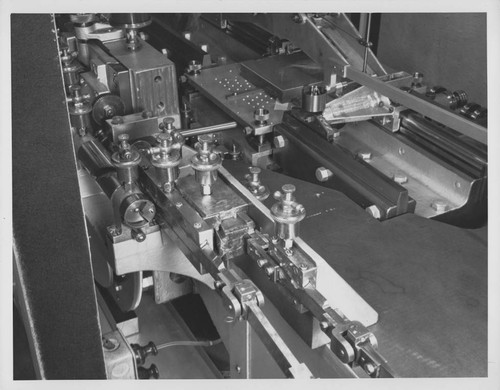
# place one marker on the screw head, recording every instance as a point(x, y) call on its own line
point(197, 225)
point(110, 344)
point(139, 236)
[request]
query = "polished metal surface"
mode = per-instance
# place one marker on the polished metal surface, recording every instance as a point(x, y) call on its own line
point(160, 324)
point(222, 202)
point(236, 96)
point(152, 76)
point(296, 70)
point(428, 179)
point(424, 107)
point(354, 177)
point(373, 284)
point(428, 280)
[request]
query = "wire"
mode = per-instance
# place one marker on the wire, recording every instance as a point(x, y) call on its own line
point(207, 343)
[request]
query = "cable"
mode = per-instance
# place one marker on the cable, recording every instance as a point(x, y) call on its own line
point(207, 343)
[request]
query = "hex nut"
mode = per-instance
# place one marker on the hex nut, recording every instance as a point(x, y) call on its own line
point(365, 156)
point(439, 205)
point(400, 178)
point(323, 174)
point(374, 211)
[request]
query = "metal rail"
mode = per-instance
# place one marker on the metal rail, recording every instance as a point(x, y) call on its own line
point(424, 107)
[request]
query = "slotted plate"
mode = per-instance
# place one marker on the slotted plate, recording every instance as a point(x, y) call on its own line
point(236, 96)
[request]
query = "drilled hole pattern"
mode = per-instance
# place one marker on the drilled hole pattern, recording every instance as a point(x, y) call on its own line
point(245, 91)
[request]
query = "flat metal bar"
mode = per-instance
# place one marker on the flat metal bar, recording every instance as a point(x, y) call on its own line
point(275, 344)
point(424, 107)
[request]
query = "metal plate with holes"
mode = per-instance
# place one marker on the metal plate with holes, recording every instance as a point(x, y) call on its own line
point(427, 179)
point(283, 76)
point(236, 96)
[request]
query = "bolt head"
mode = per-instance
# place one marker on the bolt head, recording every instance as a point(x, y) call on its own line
point(109, 112)
point(400, 178)
point(374, 211)
point(370, 368)
point(197, 225)
point(279, 142)
point(288, 188)
point(269, 270)
point(439, 205)
point(323, 174)
point(365, 156)
point(261, 262)
point(205, 138)
point(247, 130)
point(140, 237)
point(194, 67)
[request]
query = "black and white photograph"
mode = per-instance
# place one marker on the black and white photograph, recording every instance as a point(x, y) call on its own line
point(226, 190)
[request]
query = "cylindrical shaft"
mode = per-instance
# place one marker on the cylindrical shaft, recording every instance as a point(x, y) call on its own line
point(208, 129)
point(365, 58)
